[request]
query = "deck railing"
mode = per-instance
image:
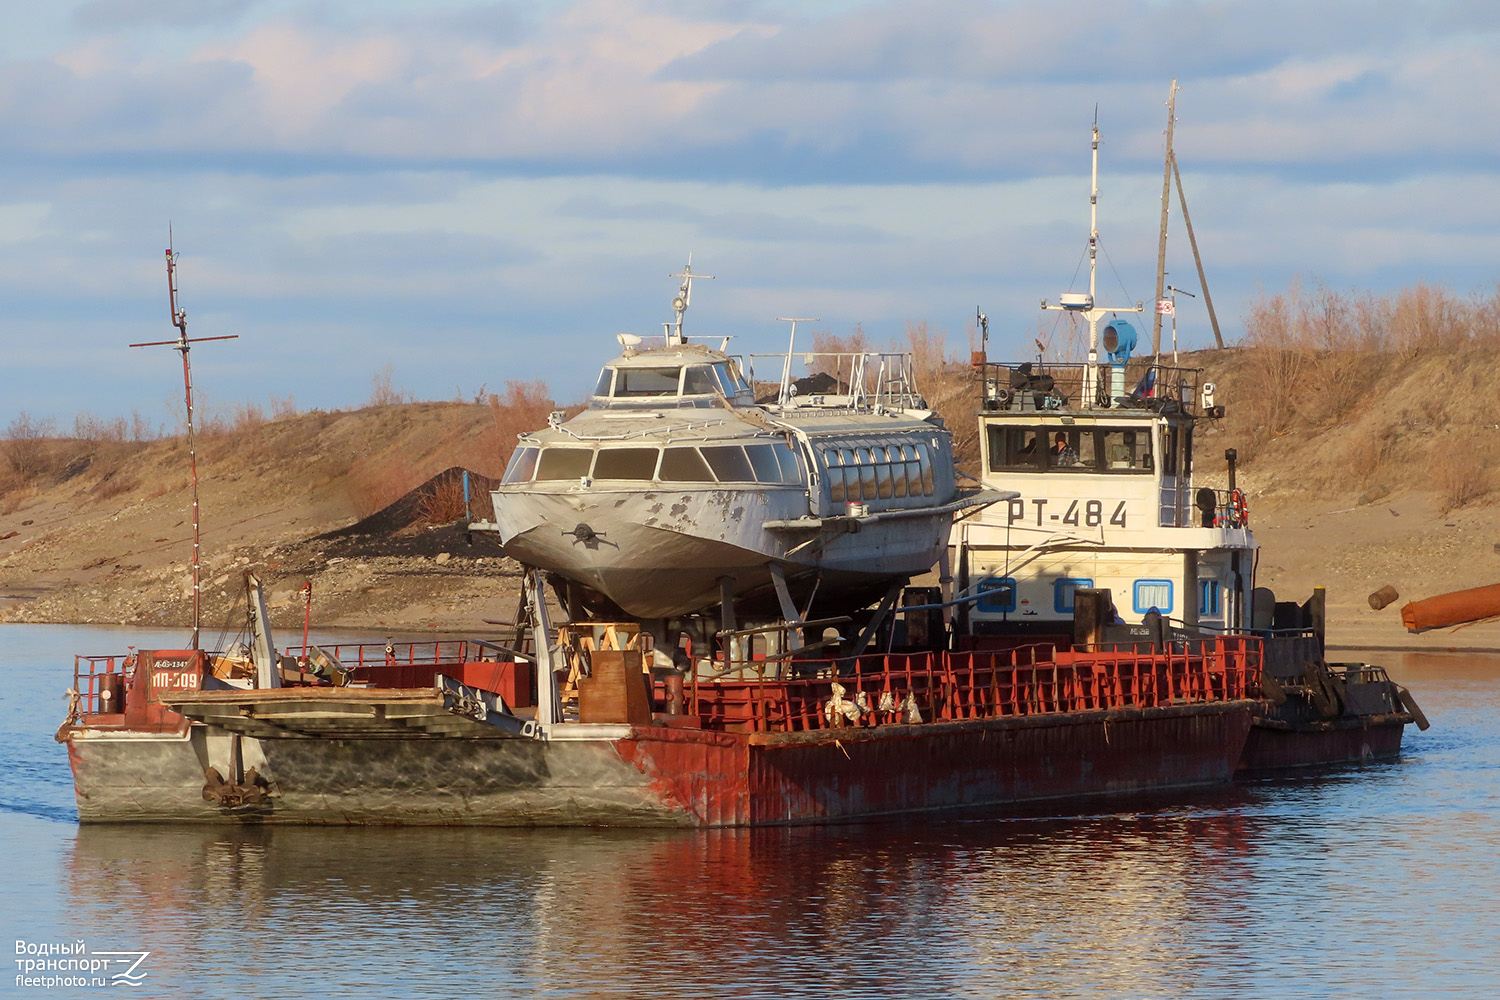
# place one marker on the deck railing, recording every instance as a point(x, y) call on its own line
point(952, 687)
point(1057, 385)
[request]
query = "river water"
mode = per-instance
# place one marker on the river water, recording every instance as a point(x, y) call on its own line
point(1376, 881)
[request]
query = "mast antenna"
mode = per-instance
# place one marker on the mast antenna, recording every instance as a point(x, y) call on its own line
point(183, 344)
point(682, 301)
point(1166, 201)
point(1087, 304)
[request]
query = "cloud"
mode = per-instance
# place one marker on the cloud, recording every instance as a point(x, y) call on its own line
point(112, 15)
point(877, 93)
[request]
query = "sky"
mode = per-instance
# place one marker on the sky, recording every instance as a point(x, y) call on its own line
point(473, 192)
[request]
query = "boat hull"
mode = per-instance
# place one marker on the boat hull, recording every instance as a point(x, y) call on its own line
point(1275, 745)
point(662, 554)
point(662, 776)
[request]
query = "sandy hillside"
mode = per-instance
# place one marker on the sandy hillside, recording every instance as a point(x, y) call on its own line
point(103, 535)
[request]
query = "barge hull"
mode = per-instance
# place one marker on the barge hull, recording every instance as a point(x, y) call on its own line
point(661, 776)
point(1275, 745)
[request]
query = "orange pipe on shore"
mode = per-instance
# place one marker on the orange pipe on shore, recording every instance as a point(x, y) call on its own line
point(1452, 609)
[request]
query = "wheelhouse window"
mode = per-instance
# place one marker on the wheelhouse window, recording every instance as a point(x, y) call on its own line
point(606, 381)
point(564, 463)
point(699, 380)
point(1015, 448)
point(625, 463)
point(646, 382)
point(522, 465)
point(1126, 450)
point(729, 379)
point(1071, 448)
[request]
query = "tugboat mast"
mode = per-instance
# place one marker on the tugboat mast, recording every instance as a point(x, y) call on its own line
point(1085, 303)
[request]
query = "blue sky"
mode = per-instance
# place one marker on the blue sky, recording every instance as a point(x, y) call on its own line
point(471, 192)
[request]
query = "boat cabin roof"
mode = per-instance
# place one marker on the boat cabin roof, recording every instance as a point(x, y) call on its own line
point(680, 375)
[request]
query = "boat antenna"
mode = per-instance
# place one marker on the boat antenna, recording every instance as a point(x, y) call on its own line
point(682, 301)
point(1086, 304)
point(786, 368)
point(1161, 243)
point(182, 344)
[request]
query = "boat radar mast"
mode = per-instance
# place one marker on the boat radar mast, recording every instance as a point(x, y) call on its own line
point(1085, 304)
point(680, 304)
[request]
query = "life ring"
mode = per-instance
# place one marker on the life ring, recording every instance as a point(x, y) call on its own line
point(1240, 508)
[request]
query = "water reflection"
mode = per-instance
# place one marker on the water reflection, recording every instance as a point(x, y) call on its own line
point(1038, 905)
point(1365, 881)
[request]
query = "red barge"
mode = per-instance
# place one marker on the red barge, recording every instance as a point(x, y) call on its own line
point(442, 733)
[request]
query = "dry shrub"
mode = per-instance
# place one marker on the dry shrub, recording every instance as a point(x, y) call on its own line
point(112, 485)
point(1424, 318)
point(377, 482)
point(444, 505)
point(1459, 474)
point(247, 417)
point(383, 393)
point(283, 406)
point(91, 429)
point(524, 407)
point(26, 447)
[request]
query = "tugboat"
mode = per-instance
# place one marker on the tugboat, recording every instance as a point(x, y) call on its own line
point(1110, 545)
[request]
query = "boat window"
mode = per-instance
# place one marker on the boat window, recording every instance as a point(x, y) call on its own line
point(606, 379)
point(1126, 450)
point(866, 474)
point(684, 465)
point(852, 489)
point(564, 463)
point(898, 471)
point(1063, 449)
point(522, 466)
point(1062, 592)
point(646, 382)
point(763, 461)
point(928, 486)
point(729, 463)
point(1208, 597)
point(625, 463)
point(791, 469)
point(1187, 451)
point(883, 487)
point(698, 380)
point(1169, 453)
point(1015, 448)
point(831, 462)
point(913, 470)
point(729, 378)
point(1153, 594)
point(997, 594)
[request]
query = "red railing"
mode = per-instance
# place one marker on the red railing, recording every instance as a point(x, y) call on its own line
point(947, 687)
point(92, 675)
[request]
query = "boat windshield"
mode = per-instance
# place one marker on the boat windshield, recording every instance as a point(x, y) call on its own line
point(1064, 449)
point(646, 381)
